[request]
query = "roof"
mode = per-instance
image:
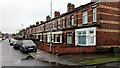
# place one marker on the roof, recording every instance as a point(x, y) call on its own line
point(76, 9)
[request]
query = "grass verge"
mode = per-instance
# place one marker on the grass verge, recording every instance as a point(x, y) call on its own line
point(101, 60)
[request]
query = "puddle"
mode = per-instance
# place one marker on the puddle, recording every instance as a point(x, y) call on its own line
point(27, 58)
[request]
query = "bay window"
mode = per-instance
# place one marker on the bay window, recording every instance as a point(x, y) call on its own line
point(85, 37)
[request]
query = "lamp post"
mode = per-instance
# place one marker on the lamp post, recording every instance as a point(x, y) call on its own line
point(51, 26)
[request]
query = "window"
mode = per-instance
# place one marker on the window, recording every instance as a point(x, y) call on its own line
point(58, 23)
point(53, 24)
point(57, 39)
point(85, 37)
point(91, 37)
point(94, 15)
point(63, 23)
point(45, 38)
point(66, 22)
point(40, 36)
point(69, 38)
point(82, 37)
point(85, 17)
point(72, 20)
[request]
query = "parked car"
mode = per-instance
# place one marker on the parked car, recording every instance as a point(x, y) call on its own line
point(12, 41)
point(17, 44)
point(28, 46)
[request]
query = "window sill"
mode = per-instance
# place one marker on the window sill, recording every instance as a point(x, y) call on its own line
point(85, 24)
point(55, 42)
point(85, 45)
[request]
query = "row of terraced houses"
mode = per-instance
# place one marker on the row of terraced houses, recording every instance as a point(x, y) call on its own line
point(88, 28)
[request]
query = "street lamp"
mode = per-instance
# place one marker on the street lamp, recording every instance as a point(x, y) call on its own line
point(51, 26)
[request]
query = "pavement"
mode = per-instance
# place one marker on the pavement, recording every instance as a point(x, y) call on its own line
point(72, 59)
point(50, 58)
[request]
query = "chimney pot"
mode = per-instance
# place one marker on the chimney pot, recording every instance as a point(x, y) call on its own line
point(56, 13)
point(48, 18)
point(41, 22)
point(37, 23)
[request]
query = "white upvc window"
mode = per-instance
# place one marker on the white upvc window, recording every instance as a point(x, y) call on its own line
point(94, 14)
point(82, 37)
point(85, 17)
point(85, 37)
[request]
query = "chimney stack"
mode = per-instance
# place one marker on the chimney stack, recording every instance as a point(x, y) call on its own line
point(48, 18)
point(56, 13)
point(70, 7)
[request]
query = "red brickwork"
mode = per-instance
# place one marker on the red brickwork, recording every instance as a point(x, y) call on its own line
point(105, 38)
point(112, 26)
point(65, 49)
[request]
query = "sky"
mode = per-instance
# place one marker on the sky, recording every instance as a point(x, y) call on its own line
point(18, 14)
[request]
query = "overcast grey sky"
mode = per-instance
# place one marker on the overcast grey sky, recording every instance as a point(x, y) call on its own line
point(13, 13)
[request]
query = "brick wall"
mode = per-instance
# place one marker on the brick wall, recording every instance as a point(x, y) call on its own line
point(106, 38)
point(65, 49)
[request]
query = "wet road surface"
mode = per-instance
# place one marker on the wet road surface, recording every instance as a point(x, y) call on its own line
point(11, 57)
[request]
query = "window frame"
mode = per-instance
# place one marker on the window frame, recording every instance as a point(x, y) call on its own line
point(66, 22)
point(70, 35)
point(63, 23)
point(58, 24)
point(94, 14)
point(85, 17)
point(72, 20)
point(56, 38)
point(81, 35)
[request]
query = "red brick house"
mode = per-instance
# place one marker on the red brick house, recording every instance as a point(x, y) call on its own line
point(87, 28)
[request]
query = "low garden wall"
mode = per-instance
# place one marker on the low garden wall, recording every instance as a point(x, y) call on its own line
point(66, 49)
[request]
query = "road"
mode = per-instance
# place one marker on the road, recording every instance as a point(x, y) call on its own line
point(11, 57)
